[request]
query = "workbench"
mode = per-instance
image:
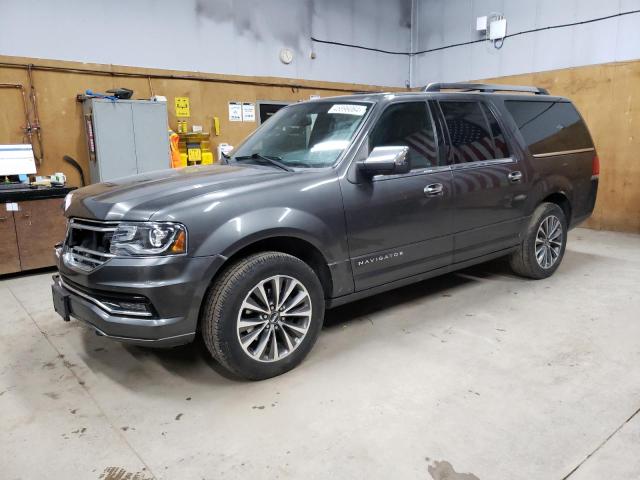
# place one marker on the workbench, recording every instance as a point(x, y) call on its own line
point(31, 223)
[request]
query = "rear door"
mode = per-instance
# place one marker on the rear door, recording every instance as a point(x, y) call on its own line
point(489, 179)
point(400, 225)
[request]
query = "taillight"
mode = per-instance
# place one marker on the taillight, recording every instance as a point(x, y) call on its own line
point(595, 166)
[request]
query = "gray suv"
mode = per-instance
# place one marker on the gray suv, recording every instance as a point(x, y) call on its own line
point(329, 201)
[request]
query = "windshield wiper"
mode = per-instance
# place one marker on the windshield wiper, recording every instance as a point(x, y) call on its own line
point(277, 161)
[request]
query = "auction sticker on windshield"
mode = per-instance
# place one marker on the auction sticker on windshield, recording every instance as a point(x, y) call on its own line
point(348, 109)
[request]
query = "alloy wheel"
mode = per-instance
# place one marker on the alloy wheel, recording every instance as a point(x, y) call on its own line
point(274, 318)
point(548, 243)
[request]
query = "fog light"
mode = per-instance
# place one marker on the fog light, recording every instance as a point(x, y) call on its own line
point(134, 307)
point(128, 308)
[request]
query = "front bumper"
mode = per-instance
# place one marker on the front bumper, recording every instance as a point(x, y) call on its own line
point(173, 286)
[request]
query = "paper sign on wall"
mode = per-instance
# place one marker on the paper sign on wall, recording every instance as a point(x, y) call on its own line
point(182, 107)
point(235, 111)
point(248, 112)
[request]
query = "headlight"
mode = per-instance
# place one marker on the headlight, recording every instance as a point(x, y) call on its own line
point(149, 238)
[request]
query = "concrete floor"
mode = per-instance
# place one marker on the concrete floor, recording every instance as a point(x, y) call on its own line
point(478, 372)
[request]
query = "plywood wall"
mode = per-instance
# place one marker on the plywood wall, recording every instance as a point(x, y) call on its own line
point(61, 118)
point(608, 96)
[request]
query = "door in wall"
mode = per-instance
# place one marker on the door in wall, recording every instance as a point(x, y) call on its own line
point(267, 108)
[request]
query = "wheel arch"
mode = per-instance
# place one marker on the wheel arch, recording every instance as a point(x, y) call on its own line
point(561, 199)
point(295, 246)
point(289, 244)
point(556, 189)
point(284, 243)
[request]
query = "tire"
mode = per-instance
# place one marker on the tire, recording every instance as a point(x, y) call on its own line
point(524, 261)
point(236, 297)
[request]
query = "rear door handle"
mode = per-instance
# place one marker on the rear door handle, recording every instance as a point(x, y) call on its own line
point(515, 177)
point(433, 190)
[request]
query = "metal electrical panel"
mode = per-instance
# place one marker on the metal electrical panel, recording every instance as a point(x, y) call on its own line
point(125, 137)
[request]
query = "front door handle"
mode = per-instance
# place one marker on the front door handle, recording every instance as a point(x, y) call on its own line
point(433, 190)
point(514, 177)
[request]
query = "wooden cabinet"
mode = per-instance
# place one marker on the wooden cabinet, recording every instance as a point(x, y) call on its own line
point(9, 256)
point(29, 234)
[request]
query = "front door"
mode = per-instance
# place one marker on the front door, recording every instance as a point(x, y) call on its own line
point(400, 225)
point(490, 183)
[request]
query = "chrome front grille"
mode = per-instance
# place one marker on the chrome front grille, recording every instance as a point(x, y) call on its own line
point(88, 243)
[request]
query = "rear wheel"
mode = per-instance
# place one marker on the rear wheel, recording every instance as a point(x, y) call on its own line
point(263, 315)
point(543, 245)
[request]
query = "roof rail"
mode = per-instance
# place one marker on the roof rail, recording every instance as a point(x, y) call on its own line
point(484, 87)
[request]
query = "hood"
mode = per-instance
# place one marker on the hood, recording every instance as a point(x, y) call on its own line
point(138, 197)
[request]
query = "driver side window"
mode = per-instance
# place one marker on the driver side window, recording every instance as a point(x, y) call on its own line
point(407, 124)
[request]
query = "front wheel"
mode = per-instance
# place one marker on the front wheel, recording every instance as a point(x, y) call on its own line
point(542, 248)
point(263, 315)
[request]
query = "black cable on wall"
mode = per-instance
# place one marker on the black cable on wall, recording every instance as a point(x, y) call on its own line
point(420, 52)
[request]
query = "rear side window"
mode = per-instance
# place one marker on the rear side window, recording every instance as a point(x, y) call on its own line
point(473, 131)
point(549, 127)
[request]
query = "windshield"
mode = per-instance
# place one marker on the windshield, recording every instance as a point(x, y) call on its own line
point(307, 135)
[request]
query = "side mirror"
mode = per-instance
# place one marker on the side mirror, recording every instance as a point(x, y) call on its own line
point(386, 161)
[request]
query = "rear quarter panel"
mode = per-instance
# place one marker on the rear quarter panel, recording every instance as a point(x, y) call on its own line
point(569, 175)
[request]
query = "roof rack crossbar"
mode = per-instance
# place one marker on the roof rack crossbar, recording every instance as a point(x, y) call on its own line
point(484, 87)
